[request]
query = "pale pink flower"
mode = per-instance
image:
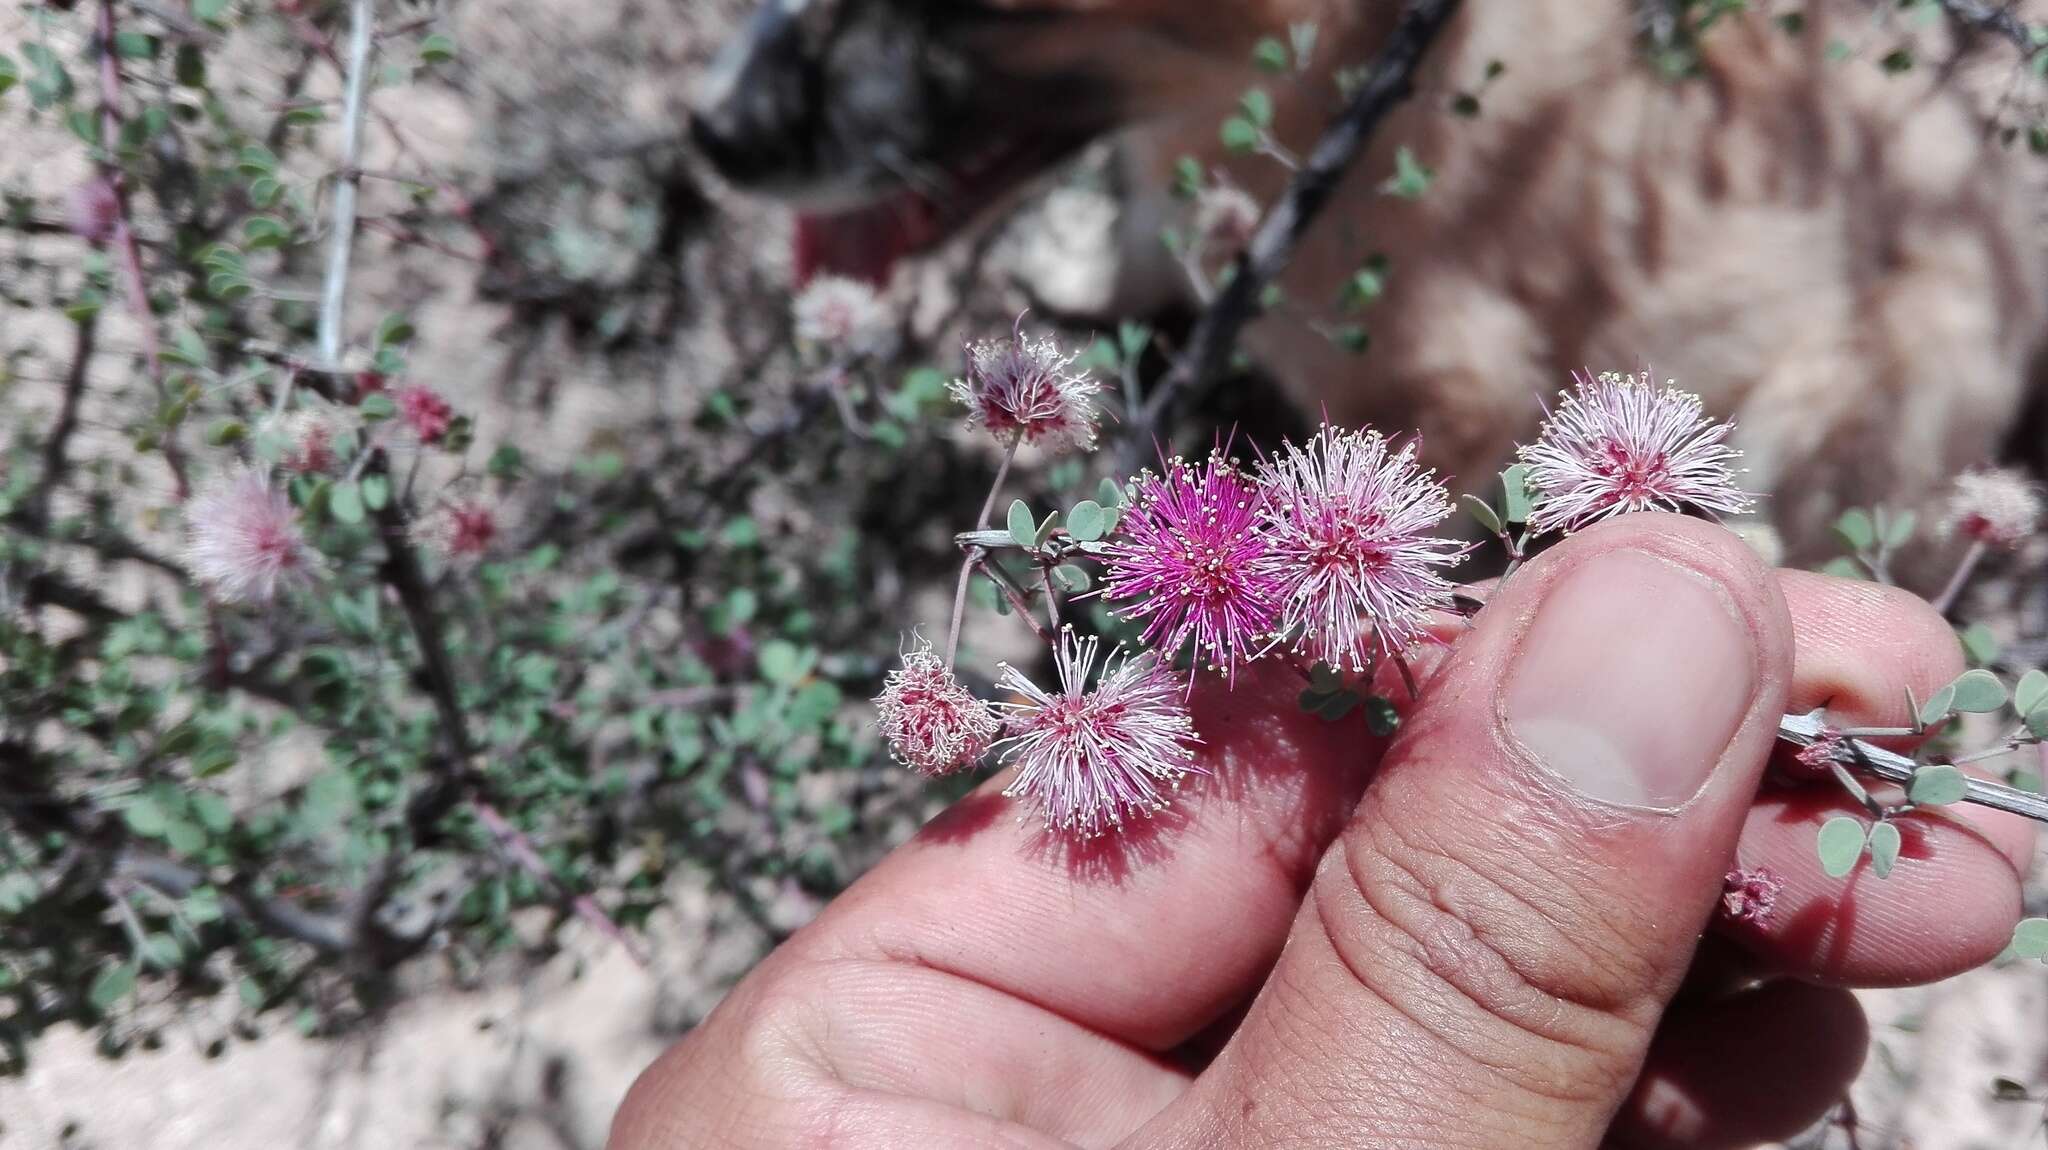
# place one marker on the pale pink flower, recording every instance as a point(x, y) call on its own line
point(1999, 507)
point(841, 315)
point(244, 538)
point(933, 724)
point(1089, 760)
point(1618, 443)
point(1348, 527)
point(1750, 895)
point(307, 436)
point(424, 412)
point(1027, 387)
point(459, 529)
point(92, 209)
point(1187, 561)
point(1225, 214)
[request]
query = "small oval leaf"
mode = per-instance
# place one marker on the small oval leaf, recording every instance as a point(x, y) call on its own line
point(2031, 692)
point(1978, 692)
point(1840, 845)
point(1938, 786)
point(1936, 708)
point(1482, 511)
point(1084, 521)
point(345, 502)
point(1884, 848)
point(2030, 938)
point(1023, 528)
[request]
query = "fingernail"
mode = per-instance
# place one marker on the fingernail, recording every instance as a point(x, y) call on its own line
point(1632, 680)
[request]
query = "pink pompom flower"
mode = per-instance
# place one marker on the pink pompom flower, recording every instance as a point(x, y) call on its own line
point(307, 438)
point(841, 315)
point(1348, 524)
point(244, 538)
point(933, 724)
point(1088, 760)
point(1618, 443)
point(424, 412)
point(1028, 388)
point(1998, 507)
point(1189, 561)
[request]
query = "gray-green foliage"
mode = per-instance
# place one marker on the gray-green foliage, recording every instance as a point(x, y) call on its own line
point(276, 809)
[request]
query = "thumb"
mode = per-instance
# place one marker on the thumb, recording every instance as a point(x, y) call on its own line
point(1486, 950)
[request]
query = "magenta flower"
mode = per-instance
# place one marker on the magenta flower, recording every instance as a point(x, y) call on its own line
point(1348, 522)
point(1996, 507)
point(424, 412)
point(1618, 443)
point(1750, 895)
point(1188, 561)
point(932, 724)
point(1028, 388)
point(1088, 760)
point(244, 538)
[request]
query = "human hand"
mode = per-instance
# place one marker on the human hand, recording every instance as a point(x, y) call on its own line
point(1499, 943)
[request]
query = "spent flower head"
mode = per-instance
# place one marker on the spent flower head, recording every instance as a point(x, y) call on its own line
point(1028, 388)
point(244, 538)
point(841, 315)
point(1618, 443)
point(424, 412)
point(1349, 521)
point(1998, 507)
point(1187, 561)
point(1750, 895)
point(1088, 760)
point(932, 723)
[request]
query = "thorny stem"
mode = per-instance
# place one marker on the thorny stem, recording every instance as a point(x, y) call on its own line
point(975, 554)
point(2015, 739)
point(1388, 81)
point(342, 230)
point(407, 579)
point(1960, 578)
point(1018, 602)
point(1517, 554)
point(1052, 602)
point(1805, 730)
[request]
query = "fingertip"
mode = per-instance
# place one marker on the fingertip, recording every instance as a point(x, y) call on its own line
point(1947, 906)
point(1863, 646)
point(1753, 1067)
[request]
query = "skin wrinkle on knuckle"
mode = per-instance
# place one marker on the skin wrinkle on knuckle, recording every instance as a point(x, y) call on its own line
point(1382, 908)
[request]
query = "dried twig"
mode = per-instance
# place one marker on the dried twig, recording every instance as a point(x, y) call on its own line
point(56, 449)
point(1387, 82)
